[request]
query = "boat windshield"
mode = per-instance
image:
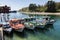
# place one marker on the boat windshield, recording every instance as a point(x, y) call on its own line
point(17, 22)
point(33, 19)
point(29, 19)
point(21, 21)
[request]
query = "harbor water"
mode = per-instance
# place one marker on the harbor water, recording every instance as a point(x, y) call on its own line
point(52, 32)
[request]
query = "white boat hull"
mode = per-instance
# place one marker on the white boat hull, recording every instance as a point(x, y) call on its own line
point(8, 30)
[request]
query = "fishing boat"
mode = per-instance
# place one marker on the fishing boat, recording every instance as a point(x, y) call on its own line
point(30, 23)
point(41, 23)
point(45, 21)
point(17, 24)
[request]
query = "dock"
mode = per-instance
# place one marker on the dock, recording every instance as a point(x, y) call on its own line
point(1, 33)
point(39, 13)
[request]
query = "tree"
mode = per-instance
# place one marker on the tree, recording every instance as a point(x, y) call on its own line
point(6, 9)
point(32, 7)
point(58, 5)
point(0, 9)
point(51, 7)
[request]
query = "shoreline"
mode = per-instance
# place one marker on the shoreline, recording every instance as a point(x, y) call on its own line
point(39, 13)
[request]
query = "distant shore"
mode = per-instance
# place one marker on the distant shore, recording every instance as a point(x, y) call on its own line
point(40, 13)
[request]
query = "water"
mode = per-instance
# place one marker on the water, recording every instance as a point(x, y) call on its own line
point(51, 33)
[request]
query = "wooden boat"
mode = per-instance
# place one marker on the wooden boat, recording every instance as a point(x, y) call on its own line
point(45, 21)
point(17, 24)
point(29, 24)
point(40, 23)
point(32, 22)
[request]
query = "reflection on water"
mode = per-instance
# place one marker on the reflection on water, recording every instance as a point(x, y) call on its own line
point(50, 32)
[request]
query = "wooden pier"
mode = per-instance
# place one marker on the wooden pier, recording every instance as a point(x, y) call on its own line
point(1, 33)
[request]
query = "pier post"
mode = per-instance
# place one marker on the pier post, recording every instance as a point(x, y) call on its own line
point(1, 33)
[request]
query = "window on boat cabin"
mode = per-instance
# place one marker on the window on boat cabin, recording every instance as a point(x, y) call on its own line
point(27, 20)
point(30, 19)
point(33, 19)
point(21, 21)
point(14, 22)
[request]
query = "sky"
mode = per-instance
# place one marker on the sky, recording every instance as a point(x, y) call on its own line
point(18, 4)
